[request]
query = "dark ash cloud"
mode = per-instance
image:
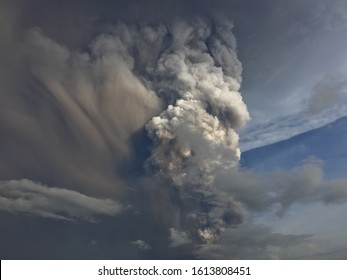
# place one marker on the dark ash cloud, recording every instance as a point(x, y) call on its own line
point(77, 113)
point(123, 106)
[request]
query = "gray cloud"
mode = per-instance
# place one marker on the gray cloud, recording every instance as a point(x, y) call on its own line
point(142, 245)
point(178, 238)
point(250, 241)
point(278, 191)
point(327, 93)
point(50, 202)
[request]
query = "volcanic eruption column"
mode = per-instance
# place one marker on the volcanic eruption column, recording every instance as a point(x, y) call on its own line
point(193, 68)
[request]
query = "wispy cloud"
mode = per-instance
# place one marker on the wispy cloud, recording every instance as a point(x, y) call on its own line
point(33, 198)
point(282, 189)
point(250, 241)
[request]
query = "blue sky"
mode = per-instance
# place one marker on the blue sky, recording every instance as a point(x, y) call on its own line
point(294, 65)
point(294, 82)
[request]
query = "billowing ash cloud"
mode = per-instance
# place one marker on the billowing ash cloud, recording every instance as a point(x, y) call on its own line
point(198, 74)
point(76, 118)
point(139, 115)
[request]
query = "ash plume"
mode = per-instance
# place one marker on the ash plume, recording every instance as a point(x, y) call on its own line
point(119, 134)
point(199, 76)
point(71, 112)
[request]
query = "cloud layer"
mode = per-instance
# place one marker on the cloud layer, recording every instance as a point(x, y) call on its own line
point(50, 202)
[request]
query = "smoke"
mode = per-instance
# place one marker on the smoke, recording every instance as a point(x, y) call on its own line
point(74, 115)
point(139, 115)
point(71, 115)
point(199, 76)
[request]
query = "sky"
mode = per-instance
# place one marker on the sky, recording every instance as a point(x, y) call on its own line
point(292, 54)
point(166, 129)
